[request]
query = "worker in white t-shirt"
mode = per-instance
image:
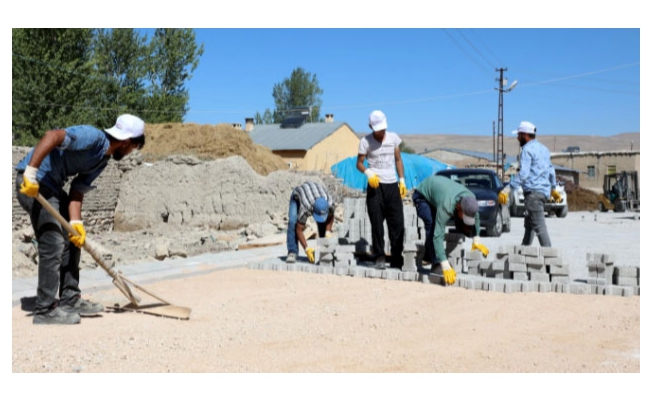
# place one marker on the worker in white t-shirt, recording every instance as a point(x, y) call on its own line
point(384, 194)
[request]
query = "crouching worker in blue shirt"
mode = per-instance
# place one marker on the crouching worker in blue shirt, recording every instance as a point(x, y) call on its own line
point(81, 152)
point(308, 199)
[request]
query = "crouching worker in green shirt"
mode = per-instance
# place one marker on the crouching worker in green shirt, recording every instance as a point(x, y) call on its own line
point(437, 199)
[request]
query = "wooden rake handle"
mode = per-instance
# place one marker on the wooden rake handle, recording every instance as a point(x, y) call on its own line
point(117, 278)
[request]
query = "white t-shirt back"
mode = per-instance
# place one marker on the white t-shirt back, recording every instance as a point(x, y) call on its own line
point(380, 156)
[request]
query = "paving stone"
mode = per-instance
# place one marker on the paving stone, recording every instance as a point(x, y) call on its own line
point(625, 281)
point(474, 271)
point(596, 281)
point(629, 272)
point(325, 269)
point(545, 287)
point(520, 276)
point(558, 269)
point(539, 277)
point(529, 286)
point(530, 251)
point(580, 288)
point(516, 259)
point(559, 279)
point(512, 287)
point(549, 252)
point(409, 276)
point(373, 273)
point(391, 274)
point(341, 271)
point(516, 267)
point(534, 261)
point(554, 261)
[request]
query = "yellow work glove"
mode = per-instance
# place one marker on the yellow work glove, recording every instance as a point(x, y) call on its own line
point(556, 196)
point(374, 181)
point(449, 272)
point(479, 246)
point(310, 252)
point(328, 234)
point(402, 189)
point(29, 187)
point(503, 196)
point(79, 239)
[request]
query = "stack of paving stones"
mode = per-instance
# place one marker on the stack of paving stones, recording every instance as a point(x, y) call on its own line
point(513, 269)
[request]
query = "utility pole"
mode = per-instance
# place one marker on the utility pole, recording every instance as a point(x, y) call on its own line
point(493, 140)
point(500, 150)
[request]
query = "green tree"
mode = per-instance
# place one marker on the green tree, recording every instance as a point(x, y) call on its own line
point(300, 90)
point(51, 81)
point(119, 57)
point(174, 56)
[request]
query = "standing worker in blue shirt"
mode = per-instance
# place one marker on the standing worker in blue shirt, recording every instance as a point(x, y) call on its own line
point(81, 152)
point(308, 199)
point(381, 149)
point(437, 200)
point(537, 178)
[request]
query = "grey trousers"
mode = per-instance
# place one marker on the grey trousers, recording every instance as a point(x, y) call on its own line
point(58, 258)
point(535, 220)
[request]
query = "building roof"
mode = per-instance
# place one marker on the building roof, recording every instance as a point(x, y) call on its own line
point(304, 137)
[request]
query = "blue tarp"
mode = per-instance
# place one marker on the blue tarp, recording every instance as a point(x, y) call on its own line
point(416, 168)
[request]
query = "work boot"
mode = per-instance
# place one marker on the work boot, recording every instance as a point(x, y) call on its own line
point(56, 316)
point(291, 258)
point(380, 262)
point(83, 307)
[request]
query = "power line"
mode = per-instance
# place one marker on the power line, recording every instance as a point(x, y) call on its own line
point(464, 51)
point(474, 48)
point(486, 47)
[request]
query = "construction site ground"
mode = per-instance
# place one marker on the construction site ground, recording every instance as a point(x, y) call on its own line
point(255, 321)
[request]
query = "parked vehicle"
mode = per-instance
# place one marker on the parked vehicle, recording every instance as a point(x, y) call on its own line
point(517, 203)
point(485, 185)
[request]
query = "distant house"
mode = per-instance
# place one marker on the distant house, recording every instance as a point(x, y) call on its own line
point(307, 146)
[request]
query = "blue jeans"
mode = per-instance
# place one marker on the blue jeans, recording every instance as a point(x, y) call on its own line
point(292, 240)
point(58, 258)
point(535, 220)
point(427, 213)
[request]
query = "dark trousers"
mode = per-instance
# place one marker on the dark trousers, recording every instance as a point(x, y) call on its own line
point(384, 203)
point(58, 258)
point(427, 213)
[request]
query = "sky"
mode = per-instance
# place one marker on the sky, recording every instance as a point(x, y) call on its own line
point(579, 81)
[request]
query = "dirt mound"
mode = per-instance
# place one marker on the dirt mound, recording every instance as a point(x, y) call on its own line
point(580, 199)
point(208, 142)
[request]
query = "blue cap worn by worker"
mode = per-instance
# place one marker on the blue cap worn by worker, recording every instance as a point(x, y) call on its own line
point(320, 210)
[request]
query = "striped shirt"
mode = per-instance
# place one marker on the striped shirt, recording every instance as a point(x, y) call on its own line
point(306, 194)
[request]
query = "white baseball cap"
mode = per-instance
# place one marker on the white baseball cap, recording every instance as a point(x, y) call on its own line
point(126, 127)
point(526, 127)
point(377, 120)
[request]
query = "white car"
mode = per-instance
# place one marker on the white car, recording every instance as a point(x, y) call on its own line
point(517, 200)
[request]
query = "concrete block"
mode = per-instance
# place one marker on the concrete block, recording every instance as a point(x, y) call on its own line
point(473, 263)
point(549, 252)
point(325, 269)
point(558, 269)
point(373, 273)
point(516, 258)
point(485, 264)
point(391, 274)
point(512, 287)
point(537, 269)
point(580, 288)
point(342, 270)
point(559, 287)
point(341, 264)
point(625, 281)
point(627, 272)
point(327, 242)
point(345, 248)
point(498, 265)
point(497, 274)
point(433, 279)
point(294, 267)
point(534, 261)
point(555, 261)
point(475, 284)
point(352, 263)
point(343, 256)
point(474, 255)
point(529, 286)
point(495, 285)
point(596, 281)
point(326, 257)
point(545, 287)
point(310, 268)
point(409, 276)
point(596, 267)
point(597, 289)
point(627, 291)
point(474, 271)
point(507, 249)
point(559, 279)
point(532, 251)
point(357, 272)
point(516, 267)
point(608, 258)
point(520, 276)
point(539, 277)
